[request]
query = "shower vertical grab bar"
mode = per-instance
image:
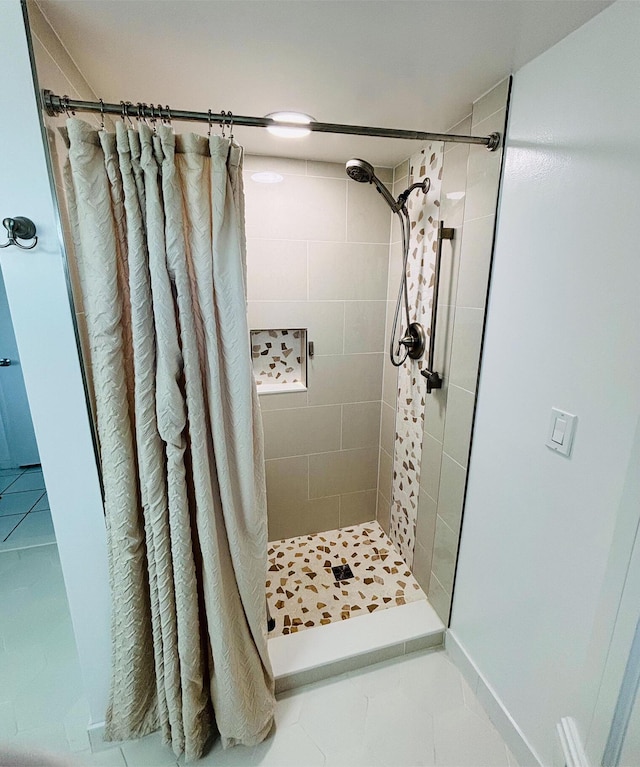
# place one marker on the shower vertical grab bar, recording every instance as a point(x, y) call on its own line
point(434, 380)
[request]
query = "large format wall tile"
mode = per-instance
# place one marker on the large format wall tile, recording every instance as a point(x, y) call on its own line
point(367, 220)
point(298, 208)
point(453, 477)
point(318, 259)
point(276, 270)
point(350, 271)
point(475, 260)
point(345, 471)
point(364, 326)
point(301, 431)
point(360, 425)
point(457, 431)
point(356, 508)
point(465, 353)
point(345, 378)
point(445, 548)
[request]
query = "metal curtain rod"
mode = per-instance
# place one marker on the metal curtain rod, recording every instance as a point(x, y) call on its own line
point(55, 105)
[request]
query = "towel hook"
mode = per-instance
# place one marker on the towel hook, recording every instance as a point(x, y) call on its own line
point(20, 228)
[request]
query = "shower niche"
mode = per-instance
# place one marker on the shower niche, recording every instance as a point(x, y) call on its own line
point(279, 359)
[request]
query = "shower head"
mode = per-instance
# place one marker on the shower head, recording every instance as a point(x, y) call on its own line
point(363, 172)
point(360, 170)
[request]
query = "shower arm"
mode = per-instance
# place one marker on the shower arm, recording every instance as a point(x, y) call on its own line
point(55, 105)
point(434, 380)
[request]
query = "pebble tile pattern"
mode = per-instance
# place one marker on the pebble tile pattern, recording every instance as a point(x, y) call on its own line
point(302, 591)
point(425, 214)
point(277, 356)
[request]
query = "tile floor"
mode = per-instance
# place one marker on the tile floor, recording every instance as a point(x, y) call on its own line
point(415, 710)
point(25, 519)
point(303, 590)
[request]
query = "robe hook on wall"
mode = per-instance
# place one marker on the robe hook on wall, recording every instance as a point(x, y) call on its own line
point(20, 228)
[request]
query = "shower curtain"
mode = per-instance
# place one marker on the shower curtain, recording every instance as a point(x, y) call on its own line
point(158, 225)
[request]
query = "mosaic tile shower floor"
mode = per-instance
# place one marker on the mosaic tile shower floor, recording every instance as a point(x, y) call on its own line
point(302, 590)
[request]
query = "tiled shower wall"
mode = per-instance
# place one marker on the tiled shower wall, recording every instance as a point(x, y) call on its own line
point(468, 204)
point(317, 257)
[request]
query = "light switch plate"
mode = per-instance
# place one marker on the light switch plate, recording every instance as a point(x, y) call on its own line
point(562, 427)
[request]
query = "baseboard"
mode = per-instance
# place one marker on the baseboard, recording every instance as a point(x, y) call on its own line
point(572, 753)
point(96, 738)
point(490, 701)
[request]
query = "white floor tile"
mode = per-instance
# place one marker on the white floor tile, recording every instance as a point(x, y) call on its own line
point(334, 716)
point(472, 702)
point(358, 757)
point(148, 752)
point(19, 668)
point(432, 683)
point(7, 478)
point(398, 733)
point(238, 756)
point(7, 524)
point(43, 504)
point(288, 747)
point(34, 530)
point(50, 738)
point(49, 697)
point(19, 503)
point(75, 723)
point(110, 758)
point(462, 739)
point(415, 710)
point(288, 708)
point(30, 480)
point(7, 721)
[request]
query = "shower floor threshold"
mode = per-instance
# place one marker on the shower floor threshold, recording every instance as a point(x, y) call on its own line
point(326, 651)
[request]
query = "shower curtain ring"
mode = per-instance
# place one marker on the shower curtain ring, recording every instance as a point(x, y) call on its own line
point(224, 117)
point(168, 116)
point(209, 131)
point(101, 114)
point(230, 116)
point(153, 119)
point(125, 111)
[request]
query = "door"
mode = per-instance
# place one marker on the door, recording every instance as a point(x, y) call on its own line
point(17, 440)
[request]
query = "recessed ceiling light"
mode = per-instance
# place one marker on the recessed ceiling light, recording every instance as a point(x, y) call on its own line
point(290, 117)
point(267, 177)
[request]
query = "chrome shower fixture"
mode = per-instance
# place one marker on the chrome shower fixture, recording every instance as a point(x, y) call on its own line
point(364, 173)
point(412, 342)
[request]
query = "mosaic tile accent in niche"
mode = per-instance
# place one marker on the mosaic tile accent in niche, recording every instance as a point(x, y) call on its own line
point(302, 590)
point(412, 389)
point(278, 358)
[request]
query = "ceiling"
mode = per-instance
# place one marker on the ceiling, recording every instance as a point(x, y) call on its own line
point(413, 64)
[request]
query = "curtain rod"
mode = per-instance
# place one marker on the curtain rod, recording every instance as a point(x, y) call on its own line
point(55, 105)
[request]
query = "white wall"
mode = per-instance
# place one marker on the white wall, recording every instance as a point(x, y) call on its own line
point(39, 303)
point(563, 330)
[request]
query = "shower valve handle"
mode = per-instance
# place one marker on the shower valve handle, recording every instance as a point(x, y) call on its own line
point(434, 381)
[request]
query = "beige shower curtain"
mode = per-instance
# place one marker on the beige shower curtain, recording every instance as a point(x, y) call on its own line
point(158, 224)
